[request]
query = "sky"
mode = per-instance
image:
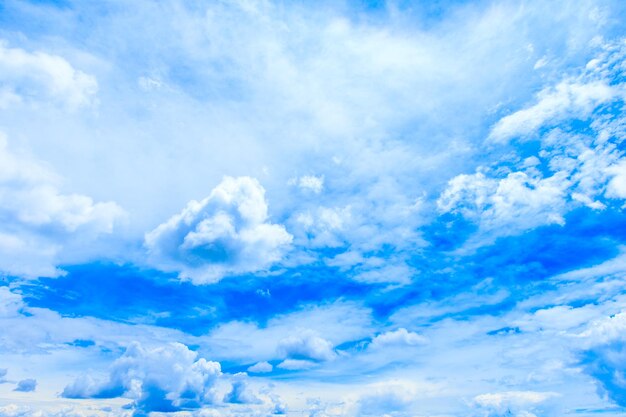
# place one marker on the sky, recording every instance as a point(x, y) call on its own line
point(336, 208)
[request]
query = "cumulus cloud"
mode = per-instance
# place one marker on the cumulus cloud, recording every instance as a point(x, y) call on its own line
point(26, 385)
point(39, 76)
point(306, 346)
point(38, 219)
point(228, 232)
point(165, 378)
point(397, 338)
point(507, 205)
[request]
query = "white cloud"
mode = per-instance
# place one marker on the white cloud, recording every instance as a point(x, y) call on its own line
point(261, 367)
point(40, 76)
point(10, 303)
point(566, 100)
point(297, 364)
point(38, 219)
point(228, 232)
point(306, 345)
point(313, 329)
point(515, 403)
point(507, 205)
point(165, 378)
point(312, 183)
point(397, 338)
point(616, 187)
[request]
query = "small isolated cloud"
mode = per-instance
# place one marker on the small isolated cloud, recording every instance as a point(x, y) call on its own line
point(39, 76)
point(306, 346)
point(261, 367)
point(26, 385)
point(166, 378)
point(226, 233)
point(398, 338)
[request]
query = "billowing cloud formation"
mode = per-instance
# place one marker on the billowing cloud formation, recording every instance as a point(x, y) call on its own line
point(226, 233)
point(38, 219)
point(166, 378)
point(572, 168)
point(31, 76)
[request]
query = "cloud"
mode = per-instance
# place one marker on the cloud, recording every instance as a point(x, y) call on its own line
point(515, 403)
point(508, 205)
point(226, 233)
point(309, 183)
point(306, 346)
point(566, 100)
point(26, 385)
point(397, 338)
point(35, 77)
point(165, 378)
point(38, 220)
point(10, 303)
point(240, 392)
point(261, 367)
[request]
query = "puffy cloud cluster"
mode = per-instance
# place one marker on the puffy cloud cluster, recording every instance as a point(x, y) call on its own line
point(302, 351)
point(39, 76)
point(581, 166)
point(397, 338)
point(228, 232)
point(38, 219)
point(506, 206)
point(165, 378)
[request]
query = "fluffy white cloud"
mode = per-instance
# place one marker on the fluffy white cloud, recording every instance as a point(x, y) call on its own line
point(165, 378)
point(508, 205)
point(617, 185)
point(306, 346)
point(567, 99)
point(38, 219)
point(226, 233)
point(40, 76)
point(10, 303)
point(397, 338)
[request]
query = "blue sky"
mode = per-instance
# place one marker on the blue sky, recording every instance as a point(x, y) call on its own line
point(259, 208)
